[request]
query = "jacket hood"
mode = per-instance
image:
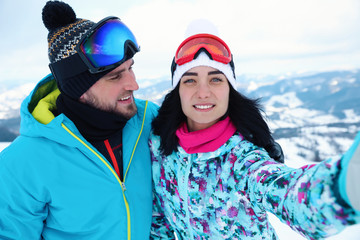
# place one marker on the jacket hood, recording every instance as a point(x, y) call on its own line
point(37, 118)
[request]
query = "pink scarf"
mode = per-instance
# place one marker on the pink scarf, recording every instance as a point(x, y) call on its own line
point(205, 140)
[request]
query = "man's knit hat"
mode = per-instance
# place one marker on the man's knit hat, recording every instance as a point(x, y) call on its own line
point(202, 58)
point(65, 31)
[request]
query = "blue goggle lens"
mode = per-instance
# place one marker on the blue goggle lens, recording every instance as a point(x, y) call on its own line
point(107, 44)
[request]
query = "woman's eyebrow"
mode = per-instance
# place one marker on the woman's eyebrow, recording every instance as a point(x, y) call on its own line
point(190, 74)
point(215, 72)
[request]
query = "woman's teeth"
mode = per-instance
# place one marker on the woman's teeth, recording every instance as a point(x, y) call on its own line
point(204, 106)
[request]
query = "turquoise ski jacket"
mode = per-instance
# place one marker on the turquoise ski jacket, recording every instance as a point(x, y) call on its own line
point(55, 185)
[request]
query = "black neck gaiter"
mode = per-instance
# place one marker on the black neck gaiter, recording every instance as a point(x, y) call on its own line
point(94, 124)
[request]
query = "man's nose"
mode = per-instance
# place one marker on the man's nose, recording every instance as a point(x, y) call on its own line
point(131, 83)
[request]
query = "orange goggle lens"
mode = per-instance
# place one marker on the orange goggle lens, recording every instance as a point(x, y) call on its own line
point(216, 47)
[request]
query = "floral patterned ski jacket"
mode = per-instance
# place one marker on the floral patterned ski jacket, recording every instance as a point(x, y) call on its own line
point(226, 194)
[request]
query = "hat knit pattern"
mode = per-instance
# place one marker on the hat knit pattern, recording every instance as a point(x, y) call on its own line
point(62, 42)
point(65, 30)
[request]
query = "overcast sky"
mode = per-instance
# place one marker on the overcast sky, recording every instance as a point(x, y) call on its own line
point(265, 36)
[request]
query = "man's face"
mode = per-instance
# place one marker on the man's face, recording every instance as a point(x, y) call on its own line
point(114, 91)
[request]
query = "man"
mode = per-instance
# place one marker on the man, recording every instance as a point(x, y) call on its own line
point(80, 168)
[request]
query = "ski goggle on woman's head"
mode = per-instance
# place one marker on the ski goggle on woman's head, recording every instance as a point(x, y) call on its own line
point(215, 46)
point(106, 44)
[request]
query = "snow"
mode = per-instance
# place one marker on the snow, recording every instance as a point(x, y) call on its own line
point(253, 86)
point(284, 232)
point(351, 116)
point(11, 98)
point(351, 80)
point(287, 99)
point(290, 117)
point(3, 145)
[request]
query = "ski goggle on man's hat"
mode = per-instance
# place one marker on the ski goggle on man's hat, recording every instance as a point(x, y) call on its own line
point(203, 50)
point(105, 46)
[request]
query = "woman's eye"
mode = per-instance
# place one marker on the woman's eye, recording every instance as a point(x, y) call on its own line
point(216, 80)
point(189, 81)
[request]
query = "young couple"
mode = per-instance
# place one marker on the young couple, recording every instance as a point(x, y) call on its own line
point(81, 167)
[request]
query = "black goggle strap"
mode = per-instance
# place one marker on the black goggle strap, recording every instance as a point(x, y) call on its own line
point(232, 65)
point(68, 67)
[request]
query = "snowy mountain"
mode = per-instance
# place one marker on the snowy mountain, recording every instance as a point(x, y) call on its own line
point(316, 116)
point(313, 116)
point(11, 97)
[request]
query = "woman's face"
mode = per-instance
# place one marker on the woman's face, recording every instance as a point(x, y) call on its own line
point(204, 96)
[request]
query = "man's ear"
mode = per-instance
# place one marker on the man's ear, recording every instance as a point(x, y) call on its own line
point(82, 98)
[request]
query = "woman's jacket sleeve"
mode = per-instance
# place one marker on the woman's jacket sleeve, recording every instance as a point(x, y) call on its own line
point(308, 199)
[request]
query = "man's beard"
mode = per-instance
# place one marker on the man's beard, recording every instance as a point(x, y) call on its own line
point(94, 102)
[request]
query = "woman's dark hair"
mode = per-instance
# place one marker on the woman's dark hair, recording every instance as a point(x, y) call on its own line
point(168, 120)
point(247, 116)
point(245, 113)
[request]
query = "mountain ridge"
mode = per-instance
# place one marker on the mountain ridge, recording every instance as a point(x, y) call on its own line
point(315, 116)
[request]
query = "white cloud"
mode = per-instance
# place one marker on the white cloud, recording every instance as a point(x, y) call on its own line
point(270, 36)
point(266, 36)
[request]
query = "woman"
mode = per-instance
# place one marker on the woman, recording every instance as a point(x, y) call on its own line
point(213, 178)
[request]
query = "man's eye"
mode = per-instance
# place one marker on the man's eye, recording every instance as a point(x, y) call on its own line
point(114, 77)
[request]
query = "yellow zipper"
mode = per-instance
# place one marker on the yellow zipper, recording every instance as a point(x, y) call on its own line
point(137, 140)
point(122, 184)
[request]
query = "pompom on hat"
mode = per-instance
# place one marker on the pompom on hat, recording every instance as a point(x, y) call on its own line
point(65, 30)
point(202, 58)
